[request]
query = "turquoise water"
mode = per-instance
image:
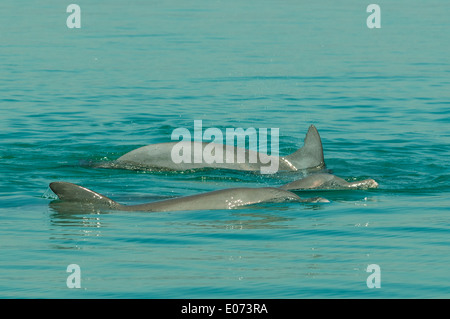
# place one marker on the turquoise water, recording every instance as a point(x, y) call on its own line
point(137, 70)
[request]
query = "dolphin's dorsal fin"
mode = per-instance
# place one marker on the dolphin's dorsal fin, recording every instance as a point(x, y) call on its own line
point(75, 193)
point(311, 154)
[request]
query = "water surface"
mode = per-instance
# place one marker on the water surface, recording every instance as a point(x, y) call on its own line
point(136, 71)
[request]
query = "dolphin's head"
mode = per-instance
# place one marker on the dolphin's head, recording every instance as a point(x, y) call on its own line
point(371, 183)
point(364, 184)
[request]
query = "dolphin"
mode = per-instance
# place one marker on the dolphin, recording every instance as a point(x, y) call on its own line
point(328, 181)
point(219, 199)
point(159, 157)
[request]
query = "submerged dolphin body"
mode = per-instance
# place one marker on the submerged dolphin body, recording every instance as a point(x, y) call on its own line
point(220, 199)
point(159, 156)
point(328, 181)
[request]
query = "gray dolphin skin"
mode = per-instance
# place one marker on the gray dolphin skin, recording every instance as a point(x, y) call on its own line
point(220, 199)
point(159, 156)
point(328, 181)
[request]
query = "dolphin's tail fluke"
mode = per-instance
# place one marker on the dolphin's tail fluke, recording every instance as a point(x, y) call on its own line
point(74, 193)
point(311, 154)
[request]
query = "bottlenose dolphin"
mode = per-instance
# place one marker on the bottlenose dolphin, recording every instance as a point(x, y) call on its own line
point(328, 181)
point(159, 157)
point(220, 199)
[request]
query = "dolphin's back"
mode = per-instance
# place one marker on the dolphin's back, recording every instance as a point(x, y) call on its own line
point(161, 156)
point(317, 181)
point(75, 193)
point(328, 181)
point(220, 199)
